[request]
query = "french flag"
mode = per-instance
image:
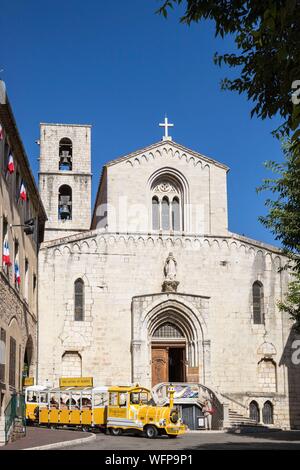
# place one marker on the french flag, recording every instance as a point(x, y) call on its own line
point(17, 274)
point(11, 165)
point(6, 257)
point(23, 194)
point(1, 133)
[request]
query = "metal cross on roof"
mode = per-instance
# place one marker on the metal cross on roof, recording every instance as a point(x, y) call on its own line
point(166, 125)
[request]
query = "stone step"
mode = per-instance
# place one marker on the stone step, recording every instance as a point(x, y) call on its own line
point(236, 419)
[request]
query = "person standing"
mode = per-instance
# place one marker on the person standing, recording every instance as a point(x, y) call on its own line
point(207, 410)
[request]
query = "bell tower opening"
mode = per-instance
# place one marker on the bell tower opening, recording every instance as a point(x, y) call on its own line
point(65, 203)
point(65, 178)
point(65, 154)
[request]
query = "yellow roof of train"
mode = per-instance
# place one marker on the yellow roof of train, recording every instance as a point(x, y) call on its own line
point(127, 388)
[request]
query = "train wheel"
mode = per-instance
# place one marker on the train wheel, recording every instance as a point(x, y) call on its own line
point(116, 431)
point(151, 432)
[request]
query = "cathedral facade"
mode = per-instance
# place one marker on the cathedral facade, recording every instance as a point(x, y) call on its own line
point(153, 287)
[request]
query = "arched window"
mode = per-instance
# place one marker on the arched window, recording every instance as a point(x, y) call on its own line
point(65, 202)
point(175, 214)
point(155, 213)
point(79, 300)
point(168, 330)
point(254, 411)
point(165, 213)
point(65, 154)
point(167, 197)
point(258, 303)
point(267, 413)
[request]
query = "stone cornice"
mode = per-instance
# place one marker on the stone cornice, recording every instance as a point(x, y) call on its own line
point(170, 143)
point(230, 237)
point(65, 173)
point(63, 125)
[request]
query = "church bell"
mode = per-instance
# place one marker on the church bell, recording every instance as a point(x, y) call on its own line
point(65, 158)
point(65, 207)
point(65, 211)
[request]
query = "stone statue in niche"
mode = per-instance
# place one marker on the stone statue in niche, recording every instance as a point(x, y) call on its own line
point(170, 283)
point(170, 267)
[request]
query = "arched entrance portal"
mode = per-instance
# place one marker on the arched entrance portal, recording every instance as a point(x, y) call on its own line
point(27, 363)
point(168, 354)
point(169, 336)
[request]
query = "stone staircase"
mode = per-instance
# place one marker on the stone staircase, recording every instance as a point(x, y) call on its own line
point(239, 423)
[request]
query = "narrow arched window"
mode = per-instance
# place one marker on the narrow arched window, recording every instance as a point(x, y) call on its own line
point(258, 301)
point(79, 300)
point(65, 154)
point(167, 203)
point(155, 213)
point(175, 214)
point(65, 202)
point(254, 411)
point(267, 413)
point(165, 213)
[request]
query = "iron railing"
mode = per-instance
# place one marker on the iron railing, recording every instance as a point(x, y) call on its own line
point(14, 410)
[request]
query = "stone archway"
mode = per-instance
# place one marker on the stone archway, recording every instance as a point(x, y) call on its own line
point(188, 314)
point(28, 357)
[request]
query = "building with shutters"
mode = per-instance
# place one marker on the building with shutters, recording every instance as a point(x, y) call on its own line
point(22, 220)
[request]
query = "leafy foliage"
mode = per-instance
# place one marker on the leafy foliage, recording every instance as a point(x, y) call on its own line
point(267, 38)
point(283, 218)
point(267, 35)
point(291, 304)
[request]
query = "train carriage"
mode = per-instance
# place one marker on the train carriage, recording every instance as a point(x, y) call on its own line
point(114, 409)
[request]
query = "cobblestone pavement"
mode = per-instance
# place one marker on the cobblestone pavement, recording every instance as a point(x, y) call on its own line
point(193, 441)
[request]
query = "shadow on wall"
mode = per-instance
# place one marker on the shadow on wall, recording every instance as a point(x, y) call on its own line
point(291, 359)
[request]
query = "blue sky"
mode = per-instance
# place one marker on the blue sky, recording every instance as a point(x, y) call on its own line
point(120, 67)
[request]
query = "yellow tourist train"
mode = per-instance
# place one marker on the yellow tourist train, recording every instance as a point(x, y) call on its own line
point(115, 409)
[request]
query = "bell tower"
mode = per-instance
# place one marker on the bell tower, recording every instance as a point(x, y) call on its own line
point(65, 178)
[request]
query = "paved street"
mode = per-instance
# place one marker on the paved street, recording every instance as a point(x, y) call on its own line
point(193, 441)
point(38, 436)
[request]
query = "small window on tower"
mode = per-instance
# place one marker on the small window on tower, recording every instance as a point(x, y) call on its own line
point(65, 154)
point(65, 202)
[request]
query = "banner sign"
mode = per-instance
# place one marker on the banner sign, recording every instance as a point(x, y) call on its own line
point(28, 381)
point(76, 382)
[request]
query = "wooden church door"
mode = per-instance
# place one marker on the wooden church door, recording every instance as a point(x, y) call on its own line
point(160, 365)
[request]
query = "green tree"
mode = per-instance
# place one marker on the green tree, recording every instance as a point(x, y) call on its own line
point(291, 304)
point(267, 38)
point(283, 220)
point(267, 60)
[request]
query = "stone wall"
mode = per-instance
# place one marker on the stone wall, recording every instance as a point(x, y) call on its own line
point(128, 180)
point(117, 269)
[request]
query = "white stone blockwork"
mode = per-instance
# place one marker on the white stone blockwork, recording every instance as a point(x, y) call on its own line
point(206, 292)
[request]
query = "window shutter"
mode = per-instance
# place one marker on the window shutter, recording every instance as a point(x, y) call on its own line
point(12, 362)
